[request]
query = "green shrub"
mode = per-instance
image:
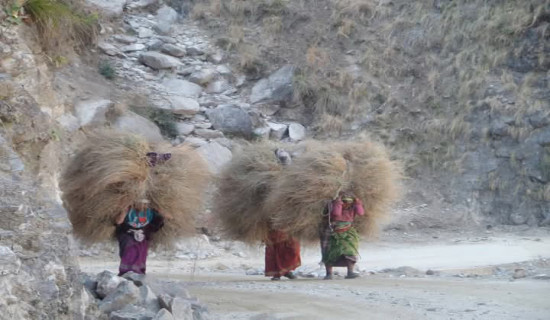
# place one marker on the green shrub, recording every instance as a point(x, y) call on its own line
point(106, 70)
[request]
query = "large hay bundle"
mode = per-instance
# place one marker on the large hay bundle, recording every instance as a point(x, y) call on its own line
point(242, 188)
point(301, 193)
point(111, 172)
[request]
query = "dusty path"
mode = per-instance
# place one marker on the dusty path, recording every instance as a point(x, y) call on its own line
point(466, 284)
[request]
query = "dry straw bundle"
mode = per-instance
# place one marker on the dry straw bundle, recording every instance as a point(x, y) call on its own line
point(301, 193)
point(242, 188)
point(111, 172)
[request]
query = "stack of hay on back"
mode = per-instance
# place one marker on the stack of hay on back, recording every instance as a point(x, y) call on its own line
point(302, 192)
point(111, 172)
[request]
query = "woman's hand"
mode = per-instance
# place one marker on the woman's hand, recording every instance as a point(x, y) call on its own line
point(120, 218)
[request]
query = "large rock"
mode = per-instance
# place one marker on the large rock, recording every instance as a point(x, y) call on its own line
point(139, 125)
point(92, 111)
point(231, 119)
point(173, 50)
point(125, 294)
point(209, 134)
point(182, 309)
point(182, 88)
point(157, 60)
point(276, 88)
point(216, 155)
point(278, 130)
point(296, 132)
point(110, 8)
point(202, 76)
point(133, 47)
point(107, 48)
point(163, 314)
point(166, 17)
point(141, 4)
point(107, 282)
point(11, 162)
point(185, 128)
point(183, 105)
point(132, 313)
point(148, 299)
point(218, 86)
point(9, 262)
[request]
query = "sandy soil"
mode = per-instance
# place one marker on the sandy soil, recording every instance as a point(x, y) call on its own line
point(472, 279)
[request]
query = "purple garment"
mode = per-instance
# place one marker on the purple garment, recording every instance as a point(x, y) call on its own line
point(154, 158)
point(133, 254)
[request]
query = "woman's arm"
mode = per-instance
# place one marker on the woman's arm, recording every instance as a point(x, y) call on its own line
point(336, 211)
point(120, 218)
point(358, 205)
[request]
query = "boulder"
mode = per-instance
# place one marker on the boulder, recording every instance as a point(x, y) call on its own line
point(107, 48)
point(185, 128)
point(144, 32)
point(137, 124)
point(209, 134)
point(166, 17)
point(157, 60)
point(125, 294)
point(276, 88)
point(125, 39)
point(231, 119)
point(278, 130)
point(133, 47)
point(163, 314)
point(183, 105)
point(148, 299)
point(182, 88)
point(173, 50)
point(296, 131)
point(202, 76)
point(92, 111)
point(132, 313)
point(107, 282)
point(9, 262)
point(216, 155)
point(182, 309)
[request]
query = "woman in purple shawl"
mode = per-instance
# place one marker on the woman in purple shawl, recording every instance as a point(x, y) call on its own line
point(136, 225)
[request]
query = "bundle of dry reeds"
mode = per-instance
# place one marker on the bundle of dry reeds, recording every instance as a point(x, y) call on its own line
point(111, 172)
point(297, 201)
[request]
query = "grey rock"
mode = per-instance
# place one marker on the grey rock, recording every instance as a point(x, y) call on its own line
point(9, 262)
point(216, 155)
point(145, 33)
point(132, 313)
point(182, 309)
point(166, 17)
point(125, 39)
point(110, 8)
point(165, 301)
point(148, 299)
point(216, 57)
point(296, 131)
point(185, 128)
point(92, 111)
point(155, 45)
point(182, 88)
point(203, 125)
point(225, 142)
point(262, 132)
point(142, 4)
point(167, 39)
point(276, 88)
point(136, 278)
point(163, 314)
point(139, 125)
point(183, 105)
point(9, 159)
point(542, 277)
point(107, 48)
point(218, 86)
point(202, 76)
point(519, 273)
point(158, 60)
point(68, 122)
point(194, 51)
point(173, 50)
point(133, 47)
point(185, 71)
point(268, 109)
point(125, 294)
point(540, 136)
point(278, 130)
point(195, 142)
point(107, 282)
point(223, 70)
point(231, 119)
point(209, 134)
point(540, 119)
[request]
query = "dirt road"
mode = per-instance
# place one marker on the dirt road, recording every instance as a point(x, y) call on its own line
point(466, 284)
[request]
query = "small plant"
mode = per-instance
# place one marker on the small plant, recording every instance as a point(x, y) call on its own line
point(164, 119)
point(106, 70)
point(14, 13)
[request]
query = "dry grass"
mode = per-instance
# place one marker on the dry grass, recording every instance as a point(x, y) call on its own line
point(110, 173)
point(304, 189)
point(62, 26)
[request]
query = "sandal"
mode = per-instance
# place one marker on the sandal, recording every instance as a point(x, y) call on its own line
point(290, 275)
point(275, 278)
point(352, 275)
point(328, 277)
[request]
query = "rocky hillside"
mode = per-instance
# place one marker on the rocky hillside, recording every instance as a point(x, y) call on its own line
point(459, 89)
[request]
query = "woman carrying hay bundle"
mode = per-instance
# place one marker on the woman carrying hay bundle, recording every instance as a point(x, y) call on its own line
point(282, 252)
point(135, 228)
point(339, 239)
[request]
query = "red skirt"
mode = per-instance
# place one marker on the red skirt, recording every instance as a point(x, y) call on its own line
point(282, 254)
